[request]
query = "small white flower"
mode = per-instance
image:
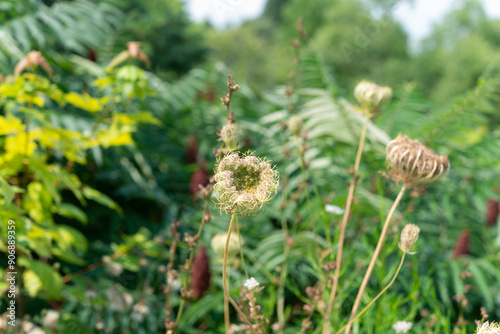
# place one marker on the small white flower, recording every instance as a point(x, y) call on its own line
point(336, 210)
point(115, 269)
point(402, 326)
point(50, 319)
point(90, 294)
point(251, 283)
point(36, 330)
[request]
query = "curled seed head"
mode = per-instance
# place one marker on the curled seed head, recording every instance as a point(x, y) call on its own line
point(219, 244)
point(295, 124)
point(409, 236)
point(411, 162)
point(371, 96)
point(244, 184)
point(488, 328)
point(230, 136)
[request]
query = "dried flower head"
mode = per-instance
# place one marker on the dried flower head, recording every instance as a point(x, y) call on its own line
point(200, 273)
point(229, 135)
point(33, 59)
point(488, 328)
point(133, 51)
point(409, 236)
point(411, 162)
point(295, 124)
point(371, 96)
point(462, 245)
point(219, 243)
point(244, 184)
point(492, 212)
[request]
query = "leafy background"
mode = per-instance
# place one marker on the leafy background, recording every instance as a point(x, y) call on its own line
point(446, 95)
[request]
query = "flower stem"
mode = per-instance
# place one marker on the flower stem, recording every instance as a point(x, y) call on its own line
point(343, 225)
point(224, 282)
point(374, 257)
point(227, 321)
point(377, 297)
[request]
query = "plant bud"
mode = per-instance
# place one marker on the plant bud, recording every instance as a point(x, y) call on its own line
point(230, 136)
point(409, 236)
point(295, 125)
point(371, 96)
point(219, 244)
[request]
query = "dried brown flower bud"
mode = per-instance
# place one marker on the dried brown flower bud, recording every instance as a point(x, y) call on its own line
point(411, 162)
point(200, 274)
point(33, 59)
point(409, 236)
point(462, 245)
point(492, 212)
point(199, 178)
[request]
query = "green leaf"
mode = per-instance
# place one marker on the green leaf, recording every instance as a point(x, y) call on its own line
point(41, 277)
point(100, 198)
point(70, 211)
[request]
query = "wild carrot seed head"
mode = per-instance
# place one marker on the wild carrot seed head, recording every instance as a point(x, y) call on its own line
point(412, 162)
point(244, 184)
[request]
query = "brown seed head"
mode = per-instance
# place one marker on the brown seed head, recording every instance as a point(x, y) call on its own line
point(412, 162)
point(200, 274)
point(462, 245)
point(492, 212)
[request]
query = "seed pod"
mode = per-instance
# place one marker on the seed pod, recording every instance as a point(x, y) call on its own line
point(295, 125)
point(230, 136)
point(462, 245)
point(219, 243)
point(409, 236)
point(200, 274)
point(411, 162)
point(492, 212)
point(371, 96)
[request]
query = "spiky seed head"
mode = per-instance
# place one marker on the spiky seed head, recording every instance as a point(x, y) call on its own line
point(219, 243)
point(230, 136)
point(412, 162)
point(409, 236)
point(295, 124)
point(488, 328)
point(244, 184)
point(371, 96)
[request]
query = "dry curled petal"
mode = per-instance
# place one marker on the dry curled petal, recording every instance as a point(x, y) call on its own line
point(412, 162)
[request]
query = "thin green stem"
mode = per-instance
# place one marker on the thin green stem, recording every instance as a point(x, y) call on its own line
point(227, 320)
point(343, 225)
point(224, 282)
point(377, 297)
point(241, 249)
point(375, 256)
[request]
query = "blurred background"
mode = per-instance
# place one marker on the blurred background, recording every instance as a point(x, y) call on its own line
point(110, 261)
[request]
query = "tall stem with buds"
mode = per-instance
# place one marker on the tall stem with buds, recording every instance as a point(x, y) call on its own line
point(343, 225)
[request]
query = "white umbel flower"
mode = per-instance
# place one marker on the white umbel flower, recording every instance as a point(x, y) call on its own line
point(251, 283)
point(402, 326)
point(50, 319)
